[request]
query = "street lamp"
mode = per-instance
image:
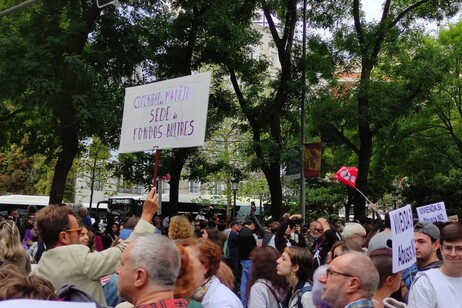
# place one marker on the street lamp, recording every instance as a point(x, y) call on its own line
point(395, 200)
point(234, 186)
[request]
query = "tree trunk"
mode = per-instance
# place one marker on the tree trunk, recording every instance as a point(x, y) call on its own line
point(65, 110)
point(179, 159)
point(63, 165)
point(365, 139)
point(273, 177)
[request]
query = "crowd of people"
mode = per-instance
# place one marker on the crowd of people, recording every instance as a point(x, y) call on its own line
point(203, 261)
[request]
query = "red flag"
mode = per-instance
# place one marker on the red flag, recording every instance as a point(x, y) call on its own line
point(347, 175)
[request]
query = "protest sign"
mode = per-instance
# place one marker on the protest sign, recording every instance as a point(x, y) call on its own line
point(21, 303)
point(402, 236)
point(432, 212)
point(166, 114)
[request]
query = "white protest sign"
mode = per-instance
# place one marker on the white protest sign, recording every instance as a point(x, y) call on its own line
point(21, 303)
point(432, 212)
point(166, 114)
point(402, 236)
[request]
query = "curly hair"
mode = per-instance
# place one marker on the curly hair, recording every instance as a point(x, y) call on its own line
point(180, 228)
point(210, 254)
point(16, 284)
point(264, 267)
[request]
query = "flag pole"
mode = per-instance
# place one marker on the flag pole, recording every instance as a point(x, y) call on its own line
point(363, 195)
point(156, 165)
point(303, 119)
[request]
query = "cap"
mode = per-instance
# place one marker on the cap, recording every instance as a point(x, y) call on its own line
point(428, 228)
point(381, 252)
point(379, 241)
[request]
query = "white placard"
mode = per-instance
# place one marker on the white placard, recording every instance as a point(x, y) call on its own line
point(24, 303)
point(402, 236)
point(432, 212)
point(165, 115)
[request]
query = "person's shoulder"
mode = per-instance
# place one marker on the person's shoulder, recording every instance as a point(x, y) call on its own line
point(261, 283)
point(433, 265)
point(221, 292)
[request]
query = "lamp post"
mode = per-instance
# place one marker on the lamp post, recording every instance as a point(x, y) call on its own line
point(234, 186)
point(395, 200)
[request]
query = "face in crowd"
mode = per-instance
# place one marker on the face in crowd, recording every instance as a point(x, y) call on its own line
point(316, 229)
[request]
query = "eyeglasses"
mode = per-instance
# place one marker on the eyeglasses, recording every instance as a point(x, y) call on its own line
point(331, 271)
point(317, 230)
point(78, 230)
point(449, 249)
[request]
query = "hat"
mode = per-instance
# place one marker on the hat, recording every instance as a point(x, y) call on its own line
point(379, 241)
point(125, 233)
point(428, 228)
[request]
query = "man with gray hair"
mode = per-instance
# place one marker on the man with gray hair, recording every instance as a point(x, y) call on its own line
point(350, 281)
point(148, 270)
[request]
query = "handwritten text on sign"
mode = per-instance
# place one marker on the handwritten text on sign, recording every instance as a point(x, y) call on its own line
point(432, 212)
point(167, 114)
point(402, 236)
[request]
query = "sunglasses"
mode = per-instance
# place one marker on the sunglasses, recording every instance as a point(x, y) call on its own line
point(78, 230)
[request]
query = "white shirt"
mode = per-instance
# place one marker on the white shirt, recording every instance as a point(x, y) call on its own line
point(220, 296)
point(433, 289)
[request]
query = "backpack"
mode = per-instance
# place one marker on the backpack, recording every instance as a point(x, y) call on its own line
point(300, 294)
point(70, 293)
point(226, 252)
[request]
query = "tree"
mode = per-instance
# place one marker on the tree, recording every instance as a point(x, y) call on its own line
point(94, 167)
point(15, 171)
point(369, 44)
point(187, 37)
point(66, 88)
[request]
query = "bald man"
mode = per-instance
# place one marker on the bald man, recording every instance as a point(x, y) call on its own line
point(350, 281)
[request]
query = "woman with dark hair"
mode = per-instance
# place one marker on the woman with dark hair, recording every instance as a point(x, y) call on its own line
point(213, 235)
point(296, 265)
point(282, 236)
point(265, 287)
point(111, 234)
point(205, 257)
point(87, 237)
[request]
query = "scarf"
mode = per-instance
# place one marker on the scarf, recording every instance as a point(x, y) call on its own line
point(200, 292)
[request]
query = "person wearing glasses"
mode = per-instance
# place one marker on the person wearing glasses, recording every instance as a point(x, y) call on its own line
point(441, 287)
point(69, 262)
point(350, 281)
point(323, 243)
point(313, 232)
